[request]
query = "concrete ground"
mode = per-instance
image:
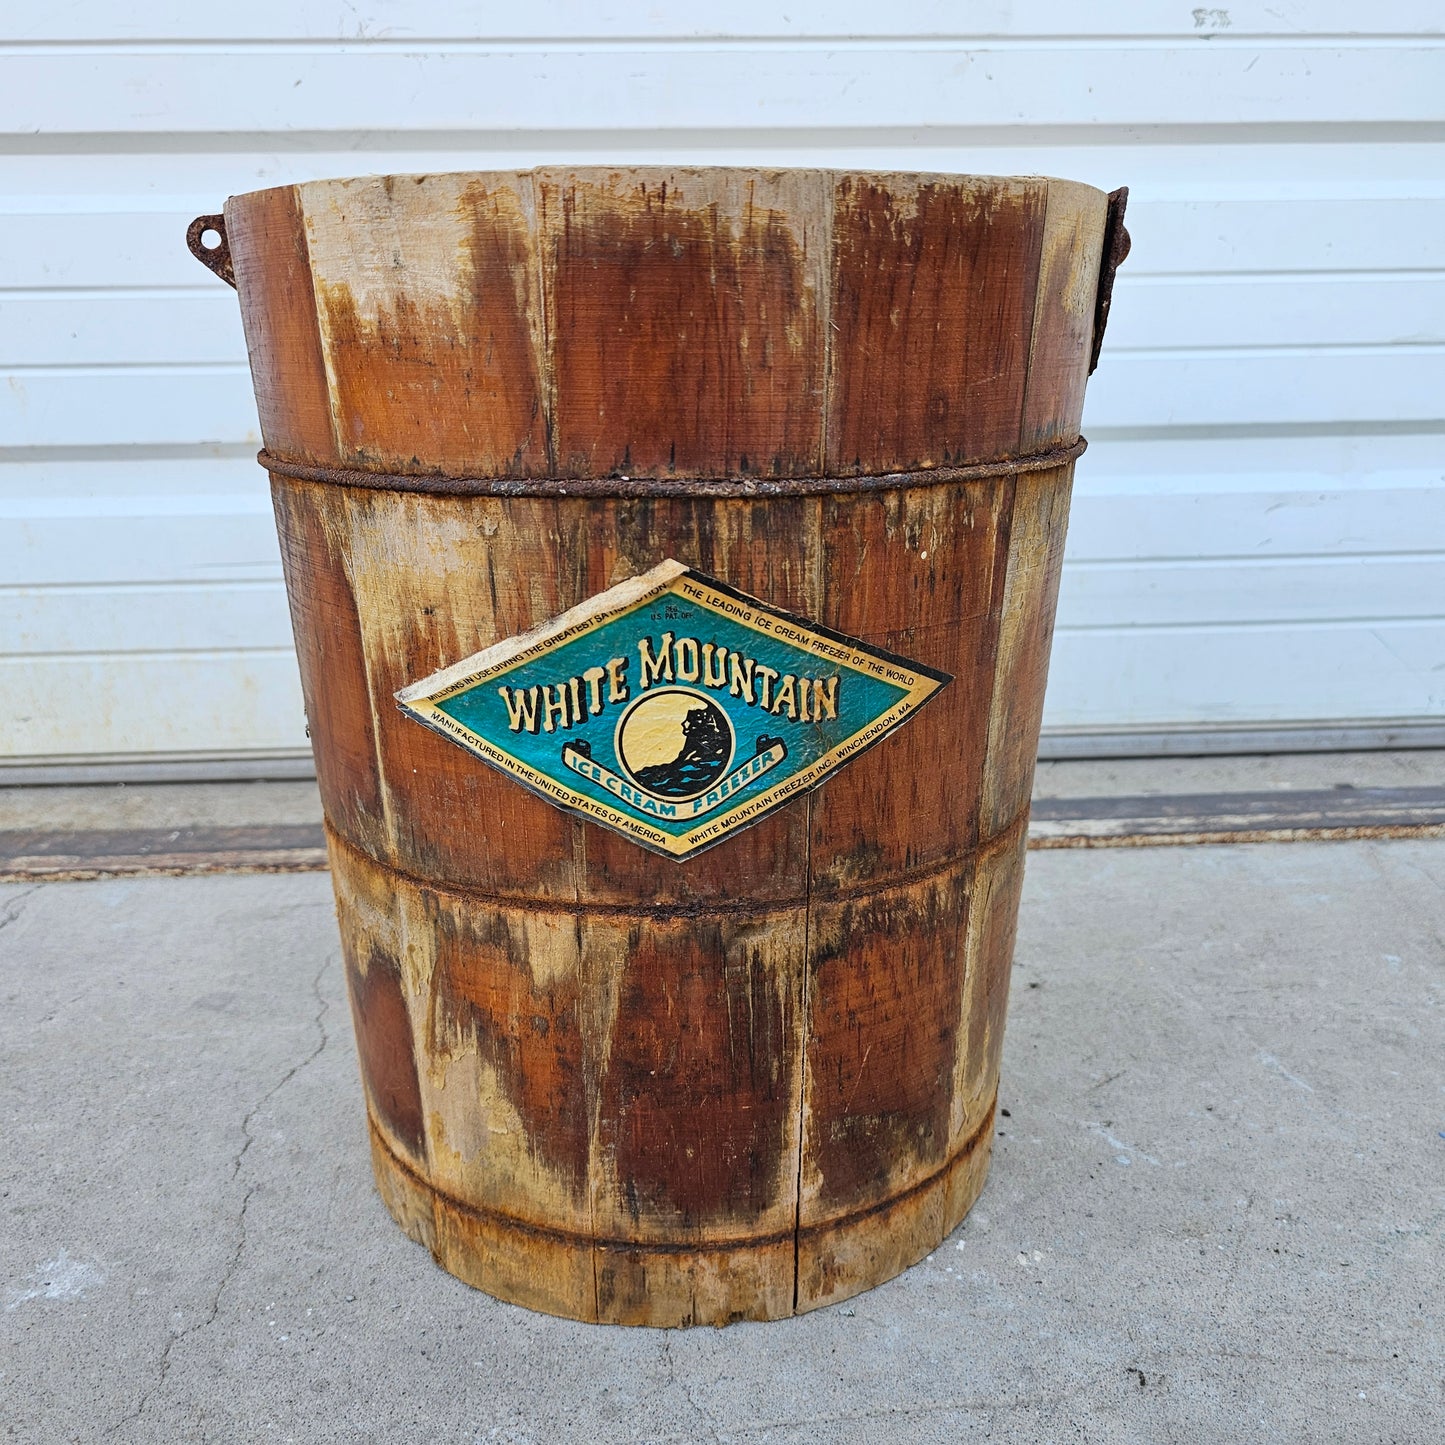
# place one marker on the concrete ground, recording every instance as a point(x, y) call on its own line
point(1215, 1211)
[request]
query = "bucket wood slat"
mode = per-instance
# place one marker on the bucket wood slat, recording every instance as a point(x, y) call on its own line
point(602, 1084)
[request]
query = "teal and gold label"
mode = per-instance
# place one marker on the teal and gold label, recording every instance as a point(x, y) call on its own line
point(672, 707)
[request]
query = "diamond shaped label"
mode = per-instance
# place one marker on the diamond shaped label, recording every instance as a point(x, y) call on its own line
point(672, 708)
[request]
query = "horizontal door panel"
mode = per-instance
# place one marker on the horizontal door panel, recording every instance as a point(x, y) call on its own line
point(150, 703)
point(1288, 673)
point(401, 21)
point(211, 91)
point(203, 617)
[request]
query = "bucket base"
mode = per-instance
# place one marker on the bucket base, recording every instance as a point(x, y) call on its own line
point(621, 1282)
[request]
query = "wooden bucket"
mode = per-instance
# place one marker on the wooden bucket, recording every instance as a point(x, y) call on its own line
point(601, 1083)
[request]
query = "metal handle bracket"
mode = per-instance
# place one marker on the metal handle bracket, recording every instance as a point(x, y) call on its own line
point(215, 258)
point(1116, 248)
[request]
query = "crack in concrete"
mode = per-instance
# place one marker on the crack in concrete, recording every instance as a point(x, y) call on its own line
point(971, 1405)
point(16, 905)
point(705, 1416)
point(68, 1004)
point(163, 1365)
point(1412, 864)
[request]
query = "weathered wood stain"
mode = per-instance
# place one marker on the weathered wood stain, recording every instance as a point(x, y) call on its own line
point(700, 286)
point(487, 999)
point(599, 1083)
point(383, 1039)
point(698, 1102)
point(885, 980)
point(933, 302)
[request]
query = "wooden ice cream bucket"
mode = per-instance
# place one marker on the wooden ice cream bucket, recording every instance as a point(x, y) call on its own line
point(757, 1079)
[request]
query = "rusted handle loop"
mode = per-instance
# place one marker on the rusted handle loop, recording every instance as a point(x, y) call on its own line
point(215, 258)
point(1116, 248)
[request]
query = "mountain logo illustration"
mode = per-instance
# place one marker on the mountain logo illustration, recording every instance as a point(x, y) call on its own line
point(676, 742)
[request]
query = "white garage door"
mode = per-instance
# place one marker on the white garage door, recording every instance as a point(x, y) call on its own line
point(1259, 538)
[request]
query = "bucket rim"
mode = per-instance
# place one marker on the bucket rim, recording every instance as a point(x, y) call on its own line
point(599, 174)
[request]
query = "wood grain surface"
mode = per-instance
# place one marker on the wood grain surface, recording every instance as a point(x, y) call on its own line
point(272, 266)
point(704, 293)
point(933, 303)
point(599, 1083)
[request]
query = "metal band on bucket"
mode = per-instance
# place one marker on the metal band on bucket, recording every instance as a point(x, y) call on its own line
point(622, 486)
